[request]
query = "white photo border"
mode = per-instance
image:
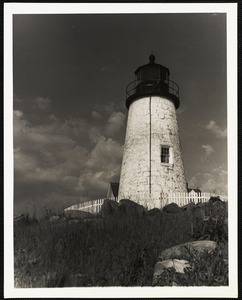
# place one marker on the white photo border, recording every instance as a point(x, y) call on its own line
point(230, 9)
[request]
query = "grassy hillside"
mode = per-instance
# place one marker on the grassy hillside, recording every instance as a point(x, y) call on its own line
point(121, 250)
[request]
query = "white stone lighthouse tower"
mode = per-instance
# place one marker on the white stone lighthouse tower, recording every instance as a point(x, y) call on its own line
point(152, 163)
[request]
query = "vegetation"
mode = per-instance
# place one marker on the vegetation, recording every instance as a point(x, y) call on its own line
point(113, 252)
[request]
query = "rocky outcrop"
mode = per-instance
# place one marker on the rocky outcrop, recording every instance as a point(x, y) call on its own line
point(177, 257)
point(54, 219)
point(178, 264)
point(182, 250)
point(218, 208)
point(172, 208)
point(130, 208)
point(24, 220)
point(154, 215)
point(109, 208)
point(189, 206)
point(214, 199)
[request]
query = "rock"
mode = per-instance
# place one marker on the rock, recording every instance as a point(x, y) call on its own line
point(200, 213)
point(218, 209)
point(57, 221)
point(54, 219)
point(154, 214)
point(182, 250)
point(77, 214)
point(25, 220)
point(130, 208)
point(189, 206)
point(109, 208)
point(214, 199)
point(177, 226)
point(161, 266)
point(178, 264)
point(172, 208)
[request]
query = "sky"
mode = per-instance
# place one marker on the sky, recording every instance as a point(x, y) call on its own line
point(70, 74)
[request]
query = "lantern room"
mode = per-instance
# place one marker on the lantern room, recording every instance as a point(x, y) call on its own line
point(152, 79)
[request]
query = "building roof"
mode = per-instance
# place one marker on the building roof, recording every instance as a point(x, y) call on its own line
point(114, 187)
point(197, 190)
point(153, 64)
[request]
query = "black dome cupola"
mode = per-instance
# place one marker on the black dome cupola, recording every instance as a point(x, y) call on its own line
point(152, 79)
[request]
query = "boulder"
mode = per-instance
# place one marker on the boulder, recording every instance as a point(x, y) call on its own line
point(177, 225)
point(154, 214)
point(77, 214)
point(57, 221)
point(200, 213)
point(109, 208)
point(54, 219)
point(130, 208)
point(189, 206)
point(218, 209)
point(214, 199)
point(172, 208)
point(178, 264)
point(25, 220)
point(182, 250)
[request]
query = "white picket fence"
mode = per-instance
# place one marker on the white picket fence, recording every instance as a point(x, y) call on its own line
point(93, 206)
point(181, 199)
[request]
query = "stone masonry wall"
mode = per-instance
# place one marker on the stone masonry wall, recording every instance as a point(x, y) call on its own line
point(135, 172)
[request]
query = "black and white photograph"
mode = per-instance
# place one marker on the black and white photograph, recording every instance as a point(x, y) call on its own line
point(121, 137)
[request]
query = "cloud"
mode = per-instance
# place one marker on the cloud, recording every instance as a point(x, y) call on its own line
point(96, 115)
point(63, 162)
point(42, 103)
point(208, 150)
point(214, 181)
point(216, 130)
point(103, 165)
point(107, 108)
point(115, 124)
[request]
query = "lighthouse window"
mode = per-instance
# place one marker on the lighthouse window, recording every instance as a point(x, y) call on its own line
point(165, 154)
point(150, 74)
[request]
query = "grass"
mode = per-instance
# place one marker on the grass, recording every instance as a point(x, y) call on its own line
point(114, 252)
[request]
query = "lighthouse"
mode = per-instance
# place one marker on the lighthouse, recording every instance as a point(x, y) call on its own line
point(152, 163)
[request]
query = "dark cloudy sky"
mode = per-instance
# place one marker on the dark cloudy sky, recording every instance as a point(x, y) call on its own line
point(70, 75)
